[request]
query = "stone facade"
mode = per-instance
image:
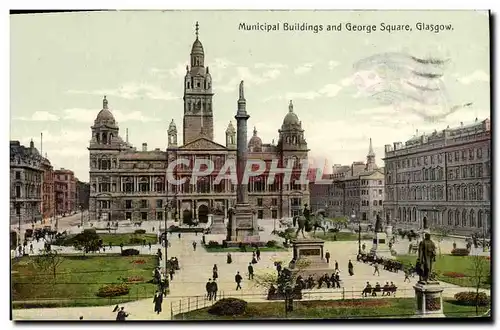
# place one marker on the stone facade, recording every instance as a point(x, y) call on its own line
point(445, 176)
point(82, 195)
point(26, 175)
point(65, 192)
point(358, 187)
point(48, 192)
point(126, 183)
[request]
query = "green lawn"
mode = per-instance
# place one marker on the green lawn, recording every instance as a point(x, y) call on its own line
point(343, 236)
point(78, 279)
point(249, 249)
point(447, 263)
point(128, 239)
point(333, 309)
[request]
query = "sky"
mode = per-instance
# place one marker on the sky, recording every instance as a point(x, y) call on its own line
point(346, 86)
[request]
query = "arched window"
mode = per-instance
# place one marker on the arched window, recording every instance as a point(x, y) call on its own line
point(479, 219)
point(464, 218)
point(450, 218)
point(440, 173)
point(457, 218)
point(404, 214)
point(472, 218)
point(479, 189)
point(464, 193)
point(104, 138)
point(400, 216)
point(98, 138)
point(414, 214)
point(408, 212)
point(473, 195)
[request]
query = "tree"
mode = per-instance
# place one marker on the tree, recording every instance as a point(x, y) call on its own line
point(49, 261)
point(339, 222)
point(87, 241)
point(440, 235)
point(480, 270)
point(285, 283)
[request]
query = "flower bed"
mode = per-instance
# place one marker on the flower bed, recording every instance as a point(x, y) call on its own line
point(469, 298)
point(113, 290)
point(453, 274)
point(134, 279)
point(138, 261)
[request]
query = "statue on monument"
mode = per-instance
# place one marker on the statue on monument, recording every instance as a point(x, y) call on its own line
point(426, 257)
point(242, 96)
point(306, 213)
point(378, 224)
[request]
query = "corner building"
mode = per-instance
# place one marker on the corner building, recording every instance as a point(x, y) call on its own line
point(445, 176)
point(126, 183)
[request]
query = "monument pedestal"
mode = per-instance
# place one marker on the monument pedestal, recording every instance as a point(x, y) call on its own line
point(217, 225)
point(429, 299)
point(380, 246)
point(244, 228)
point(388, 231)
point(311, 251)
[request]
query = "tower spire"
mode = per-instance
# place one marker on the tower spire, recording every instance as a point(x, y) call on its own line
point(104, 103)
point(197, 29)
point(126, 137)
point(290, 106)
point(254, 131)
point(371, 153)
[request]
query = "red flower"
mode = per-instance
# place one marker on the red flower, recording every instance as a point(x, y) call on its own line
point(453, 274)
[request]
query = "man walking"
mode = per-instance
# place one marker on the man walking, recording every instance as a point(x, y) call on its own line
point(158, 300)
point(149, 245)
point(336, 265)
point(327, 257)
point(214, 289)
point(375, 266)
point(237, 279)
point(194, 246)
point(350, 267)
point(250, 271)
point(257, 253)
point(208, 287)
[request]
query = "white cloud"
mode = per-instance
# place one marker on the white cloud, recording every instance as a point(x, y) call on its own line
point(329, 90)
point(333, 64)
point(40, 116)
point(89, 115)
point(270, 66)
point(250, 77)
point(304, 68)
point(132, 90)
point(179, 71)
point(476, 76)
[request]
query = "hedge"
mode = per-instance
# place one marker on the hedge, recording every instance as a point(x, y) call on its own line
point(113, 290)
point(140, 231)
point(130, 252)
point(228, 306)
point(469, 298)
point(460, 252)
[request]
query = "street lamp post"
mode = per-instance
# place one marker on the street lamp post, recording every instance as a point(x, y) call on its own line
point(274, 219)
point(18, 205)
point(167, 210)
point(353, 217)
point(81, 215)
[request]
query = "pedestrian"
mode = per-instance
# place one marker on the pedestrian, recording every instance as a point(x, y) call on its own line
point(454, 245)
point(159, 254)
point(122, 315)
point(194, 246)
point(250, 271)
point(257, 253)
point(31, 249)
point(153, 229)
point(327, 256)
point(350, 267)
point(121, 247)
point(214, 289)
point(179, 235)
point(158, 300)
point(208, 287)
point(110, 245)
point(171, 273)
point(278, 268)
point(375, 266)
point(336, 265)
point(149, 245)
point(364, 247)
point(143, 242)
point(229, 258)
point(407, 276)
point(237, 279)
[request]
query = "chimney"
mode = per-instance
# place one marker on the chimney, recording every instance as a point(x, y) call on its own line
point(144, 146)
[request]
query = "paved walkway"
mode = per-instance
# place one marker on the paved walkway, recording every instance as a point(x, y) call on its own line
point(196, 269)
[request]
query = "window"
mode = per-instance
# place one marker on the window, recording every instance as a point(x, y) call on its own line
point(159, 204)
point(471, 154)
point(128, 204)
point(479, 153)
point(128, 215)
point(380, 192)
point(144, 203)
point(274, 214)
point(18, 175)
point(259, 203)
point(144, 215)
point(457, 154)
point(379, 202)
point(274, 202)
point(380, 182)
point(159, 215)
point(364, 216)
point(260, 214)
point(375, 203)
point(18, 191)
point(463, 155)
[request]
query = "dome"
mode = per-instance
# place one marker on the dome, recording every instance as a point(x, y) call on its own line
point(255, 141)
point(105, 116)
point(291, 118)
point(172, 126)
point(197, 47)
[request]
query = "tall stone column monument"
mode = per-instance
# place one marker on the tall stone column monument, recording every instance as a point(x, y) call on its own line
point(244, 227)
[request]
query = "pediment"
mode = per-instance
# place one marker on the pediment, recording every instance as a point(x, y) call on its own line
point(202, 144)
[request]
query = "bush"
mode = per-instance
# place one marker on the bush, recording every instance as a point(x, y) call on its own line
point(133, 279)
point(469, 298)
point(228, 306)
point(460, 252)
point(213, 244)
point(136, 240)
point(113, 290)
point(271, 244)
point(333, 230)
point(140, 231)
point(130, 252)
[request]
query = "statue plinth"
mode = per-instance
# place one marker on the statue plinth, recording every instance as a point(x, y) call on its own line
point(311, 252)
point(244, 227)
point(429, 297)
point(380, 246)
point(388, 230)
point(217, 224)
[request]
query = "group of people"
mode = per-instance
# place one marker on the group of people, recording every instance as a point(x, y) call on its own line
point(331, 281)
point(387, 289)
